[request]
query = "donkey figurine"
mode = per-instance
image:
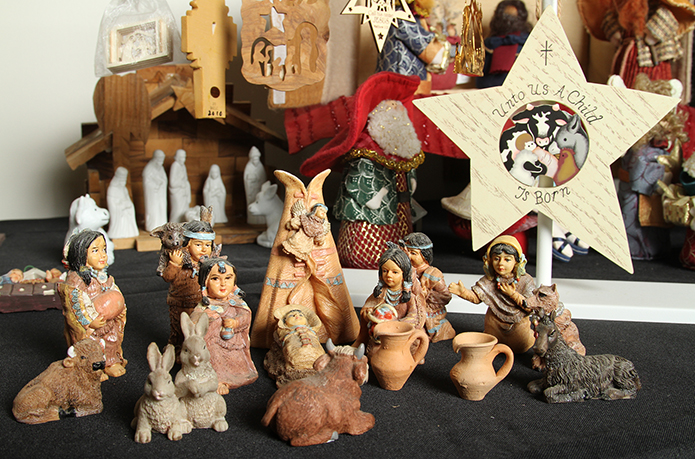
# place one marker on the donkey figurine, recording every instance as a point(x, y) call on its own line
point(571, 377)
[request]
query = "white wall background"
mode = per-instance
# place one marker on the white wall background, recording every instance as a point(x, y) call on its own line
point(46, 88)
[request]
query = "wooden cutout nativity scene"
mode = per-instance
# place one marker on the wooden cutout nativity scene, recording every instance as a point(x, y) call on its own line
point(176, 165)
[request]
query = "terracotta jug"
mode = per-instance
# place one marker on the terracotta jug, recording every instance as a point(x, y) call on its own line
point(474, 375)
point(393, 355)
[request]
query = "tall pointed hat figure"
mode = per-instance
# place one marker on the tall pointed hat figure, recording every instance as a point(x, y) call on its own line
point(304, 268)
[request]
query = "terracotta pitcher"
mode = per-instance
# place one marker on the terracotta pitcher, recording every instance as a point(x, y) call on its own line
point(474, 375)
point(394, 353)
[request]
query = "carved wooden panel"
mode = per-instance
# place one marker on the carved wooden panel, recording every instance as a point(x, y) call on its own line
point(283, 43)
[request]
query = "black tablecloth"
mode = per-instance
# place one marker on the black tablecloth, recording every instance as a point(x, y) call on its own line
point(426, 418)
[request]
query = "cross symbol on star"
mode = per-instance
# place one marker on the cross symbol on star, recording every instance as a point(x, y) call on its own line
point(547, 74)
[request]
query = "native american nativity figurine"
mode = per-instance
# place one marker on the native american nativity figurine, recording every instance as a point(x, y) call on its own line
point(86, 214)
point(197, 242)
point(93, 306)
point(227, 337)
point(396, 297)
point(296, 344)
point(196, 382)
point(504, 290)
point(67, 388)
point(571, 377)
point(316, 409)
point(392, 320)
point(304, 268)
point(419, 248)
point(159, 409)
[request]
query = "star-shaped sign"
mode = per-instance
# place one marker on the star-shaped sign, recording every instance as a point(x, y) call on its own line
point(381, 14)
point(600, 124)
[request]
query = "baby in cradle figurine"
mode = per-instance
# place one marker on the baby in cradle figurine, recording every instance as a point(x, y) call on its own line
point(504, 290)
point(93, 306)
point(296, 344)
point(227, 337)
point(419, 249)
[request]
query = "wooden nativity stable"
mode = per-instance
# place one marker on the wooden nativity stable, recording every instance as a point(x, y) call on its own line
point(154, 109)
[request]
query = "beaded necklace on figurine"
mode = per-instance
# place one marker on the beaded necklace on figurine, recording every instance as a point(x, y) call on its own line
point(500, 280)
point(101, 276)
point(392, 298)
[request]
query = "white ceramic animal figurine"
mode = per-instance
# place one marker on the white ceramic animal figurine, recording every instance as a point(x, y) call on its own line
point(85, 214)
point(196, 382)
point(268, 204)
point(159, 409)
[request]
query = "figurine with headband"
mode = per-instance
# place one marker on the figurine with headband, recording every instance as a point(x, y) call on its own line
point(181, 272)
point(227, 338)
point(504, 290)
point(419, 248)
point(397, 295)
point(93, 306)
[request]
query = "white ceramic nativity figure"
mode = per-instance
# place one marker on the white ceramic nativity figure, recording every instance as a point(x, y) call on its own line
point(215, 194)
point(121, 208)
point(254, 177)
point(179, 188)
point(154, 185)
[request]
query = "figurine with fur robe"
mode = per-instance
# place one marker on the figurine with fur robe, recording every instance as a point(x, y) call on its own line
point(307, 230)
point(181, 272)
point(227, 336)
point(503, 289)
point(93, 305)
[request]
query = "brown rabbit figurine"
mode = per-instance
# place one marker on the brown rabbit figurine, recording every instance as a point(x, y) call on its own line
point(196, 382)
point(159, 409)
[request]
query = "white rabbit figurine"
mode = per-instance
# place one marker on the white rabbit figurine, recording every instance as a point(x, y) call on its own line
point(196, 382)
point(159, 409)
